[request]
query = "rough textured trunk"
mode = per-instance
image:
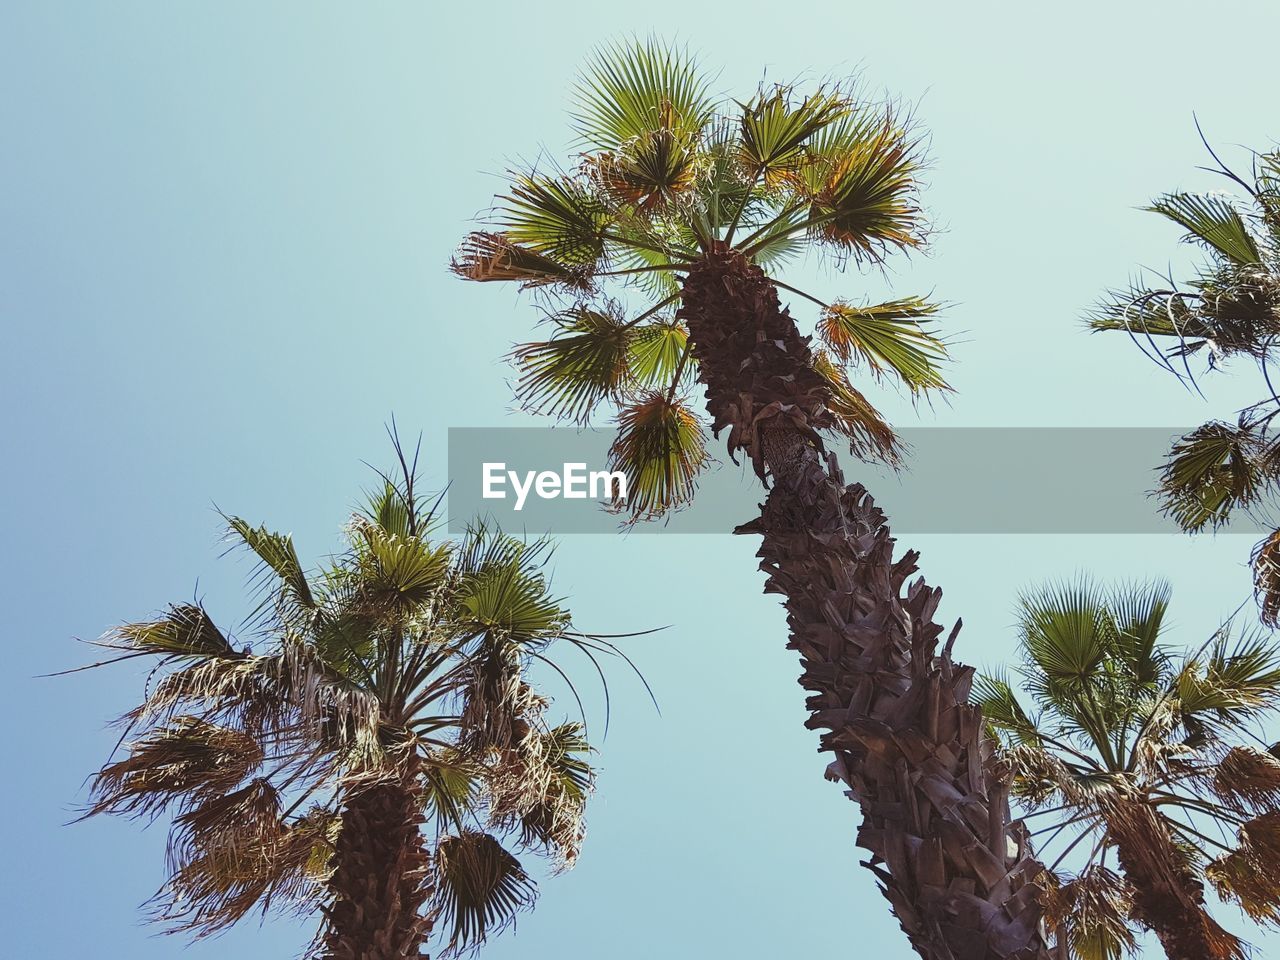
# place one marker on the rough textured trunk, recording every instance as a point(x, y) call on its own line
point(1167, 897)
point(379, 885)
point(894, 709)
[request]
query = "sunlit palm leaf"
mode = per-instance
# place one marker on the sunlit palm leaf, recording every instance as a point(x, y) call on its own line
point(557, 217)
point(277, 552)
point(861, 188)
point(656, 349)
point(775, 128)
point(1212, 221)
point(586, 361)
point(660, 448)
point(888, 337)
point(629, 90)
point(185, 631)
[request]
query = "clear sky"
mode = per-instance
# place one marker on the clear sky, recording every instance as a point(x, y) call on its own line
point(223, 238)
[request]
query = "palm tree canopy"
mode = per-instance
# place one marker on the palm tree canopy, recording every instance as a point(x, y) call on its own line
point(1230, 308)
point(404, 656)
point(667, 174)
point(1108, 713)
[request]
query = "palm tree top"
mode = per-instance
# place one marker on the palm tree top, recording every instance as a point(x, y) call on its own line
point(1114, 718)
point(404, 659)
point(668, 176)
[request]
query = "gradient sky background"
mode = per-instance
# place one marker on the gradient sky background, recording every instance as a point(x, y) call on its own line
point(223, 238)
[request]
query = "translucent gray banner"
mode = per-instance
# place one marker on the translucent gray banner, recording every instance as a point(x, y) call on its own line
point(957, 480)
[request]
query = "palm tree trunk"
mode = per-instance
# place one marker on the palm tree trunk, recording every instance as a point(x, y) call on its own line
point(1167, 899)
point(379, 884)
point(895, 711)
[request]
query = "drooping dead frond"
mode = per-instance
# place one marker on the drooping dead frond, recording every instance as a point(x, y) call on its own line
point(1250, 874)
point(870, 436)
point(1091, 911)
point(541, 790)
point(1247, 780)
point(187, 760)
point(487, 256)
point(1265, 561)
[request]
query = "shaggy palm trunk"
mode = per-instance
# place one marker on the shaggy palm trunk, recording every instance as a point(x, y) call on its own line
point(894, 709)
point(1168, 899)
point(379, 884)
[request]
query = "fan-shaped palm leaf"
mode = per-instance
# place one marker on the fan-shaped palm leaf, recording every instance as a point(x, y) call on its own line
point(660, 449)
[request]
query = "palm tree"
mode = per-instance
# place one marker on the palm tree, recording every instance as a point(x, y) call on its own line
point(694, 206)
point(377, 753)
point(1131, 747)
point(1230, 309)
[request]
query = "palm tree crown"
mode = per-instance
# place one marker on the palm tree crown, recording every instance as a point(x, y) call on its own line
point(377, 753)
point(1230, 309)
point(667, 177)
point(1126, 745)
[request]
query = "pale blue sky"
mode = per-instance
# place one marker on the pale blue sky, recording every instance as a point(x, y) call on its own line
point(223, 238)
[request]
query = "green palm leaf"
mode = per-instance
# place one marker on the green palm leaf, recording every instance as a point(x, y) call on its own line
point(557, 217)
point(630, 90)
point(586, 361)
point(660, 448)
point(775, 128)
point(889, 338)
point(1212, 221)
point(1209, 473)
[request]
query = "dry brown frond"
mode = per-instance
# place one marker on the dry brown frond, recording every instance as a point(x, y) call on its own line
point(486, 256)
point(190, 758)
point(1266, 578)
point(1247, 780)
point(1250, 874)
point(1091, 910)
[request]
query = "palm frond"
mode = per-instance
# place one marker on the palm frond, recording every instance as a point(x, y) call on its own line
point(993, 693)
point(187, 760)
point(660, 449)
point(1247, 780)
point(870, 436)
point(1210, 220)
point(655, 352)
point(888, 337)
point(486, 256)
point(185, 631)
point(1208, 474)
point(630, 90)
point(775, 128)
point(587, 360)
point(277, 554)
point(1092, 910)
point(1250, 875)
point(1265, 561)
point(860, 184)
point(556, 217)
point(479, 888)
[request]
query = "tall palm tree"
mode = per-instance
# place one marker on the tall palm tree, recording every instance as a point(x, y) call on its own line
point(1230, 309)
point(376, 753)
point(1131, 747)
point(693, 205)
